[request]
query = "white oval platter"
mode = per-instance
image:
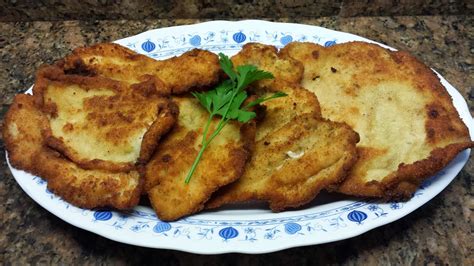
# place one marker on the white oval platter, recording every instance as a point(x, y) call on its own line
point(244, 228)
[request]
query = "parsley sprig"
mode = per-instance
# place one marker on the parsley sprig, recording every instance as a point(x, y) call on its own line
point(227, 99)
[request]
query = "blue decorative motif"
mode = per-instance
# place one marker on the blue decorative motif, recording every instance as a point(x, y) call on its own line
point(139, 226)
point(39, 180)
point(286, 39)
point(228, 233)
point(250, 234)
point(195, 40)
point(210, 37)
point(148, 46)
point(292, 228)
point(217, 41)
point(205, 233)
point(161, 227)
point(239, 37)
point(377, 210)
point(395, 205)
point(372, 207)
point(329, 43)
point(273, 36)
point(253, 36)
point(271, 233)
point(120, 222)
point(357, 216)
point(102, 215)
point(336, 222)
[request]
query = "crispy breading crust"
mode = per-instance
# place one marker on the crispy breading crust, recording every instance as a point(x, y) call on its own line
point(409, 177)
point(144, 97)
point(167, 116)
point(445, 133)
point(280, 111)
point(83, 188)
point(88, 188)
point(328, 176)
point(266, 57)
point(326, 152)
point(222, 163)
point(21, 132)
point(194, 69)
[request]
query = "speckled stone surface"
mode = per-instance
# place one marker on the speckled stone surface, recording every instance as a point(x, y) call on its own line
point(438, 233)
point(33, 10)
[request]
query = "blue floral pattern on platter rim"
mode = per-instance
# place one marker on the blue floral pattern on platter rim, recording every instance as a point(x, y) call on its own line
point(245, 231)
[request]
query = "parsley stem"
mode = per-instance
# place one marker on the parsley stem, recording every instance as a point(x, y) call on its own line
point(196, 161)
point(216, 132)
point(205, 143)
point(206, 128)
point(228, 107)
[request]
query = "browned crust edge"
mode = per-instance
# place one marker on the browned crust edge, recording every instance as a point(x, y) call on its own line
point(74, 63)
point(167, 115)
point(249, 48)
point(17, 158)
point(403, 183)
point(59, 145)
point(48, 74)
point(76, 194)
point(196, 83)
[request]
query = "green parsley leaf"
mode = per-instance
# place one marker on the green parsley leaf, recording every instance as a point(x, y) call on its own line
point(203, 99)
point(249, 74)
point(226, 100)
point(227, 66)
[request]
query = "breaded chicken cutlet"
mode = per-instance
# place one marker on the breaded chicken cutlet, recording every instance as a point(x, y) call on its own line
point(408, 125)
point(191, 70)
point(293, 163)
point(222, 162)
point(99, 123)
point(297, 153)
point(84, 188)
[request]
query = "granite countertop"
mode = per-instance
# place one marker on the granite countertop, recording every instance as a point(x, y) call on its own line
point(440, 232)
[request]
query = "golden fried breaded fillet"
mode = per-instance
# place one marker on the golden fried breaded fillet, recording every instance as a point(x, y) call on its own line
point(83, 188)
point(266, 57)
point(22, 132)
point(100, 123)
point(291, 164)
point(222, 162)
point(408, 125)
point(88, 188)
point(194, 69)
